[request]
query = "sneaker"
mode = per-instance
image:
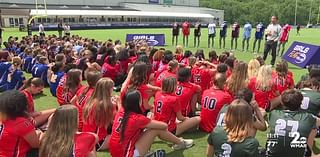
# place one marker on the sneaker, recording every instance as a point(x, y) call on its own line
point(186, 143)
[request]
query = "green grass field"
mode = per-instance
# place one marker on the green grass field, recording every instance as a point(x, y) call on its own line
point(199, 149)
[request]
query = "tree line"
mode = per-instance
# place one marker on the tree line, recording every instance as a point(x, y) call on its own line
point(255, 11)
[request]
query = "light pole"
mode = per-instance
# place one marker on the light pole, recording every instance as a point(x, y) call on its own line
point(310, 12)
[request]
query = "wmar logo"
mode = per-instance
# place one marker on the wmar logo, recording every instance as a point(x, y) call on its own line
point(301, 57)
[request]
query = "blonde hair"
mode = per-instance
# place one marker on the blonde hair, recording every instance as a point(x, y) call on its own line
point(253, 68)
point(264, 78)
point(59, 138)
point(238, 120)
point(169, 85)
point(16, 61)
point(179, 49)
point(99, 108)
point(239, 78)
point(192, 61)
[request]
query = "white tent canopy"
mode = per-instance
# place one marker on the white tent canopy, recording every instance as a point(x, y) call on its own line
point(42, 12)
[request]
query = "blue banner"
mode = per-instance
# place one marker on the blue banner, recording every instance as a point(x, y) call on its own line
point(151, 39)
point(302, 54)
point(154, 1)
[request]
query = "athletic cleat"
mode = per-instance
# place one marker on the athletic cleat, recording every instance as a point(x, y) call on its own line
point(186, 143)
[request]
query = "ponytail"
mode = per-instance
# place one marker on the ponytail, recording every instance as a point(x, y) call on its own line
point(172, 65)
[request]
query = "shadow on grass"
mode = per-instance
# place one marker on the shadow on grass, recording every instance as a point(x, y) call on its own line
point(194, 134)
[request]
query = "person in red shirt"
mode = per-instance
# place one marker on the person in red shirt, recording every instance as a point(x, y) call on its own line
point(213, 57)
point(238, 80)
point(212, 101)
point(202, 74)
point(32, 87)
point(68, 86)
point(124, 61)
point(17, 134)
point(84, 93)
point(132, 56)
point(167, 108)
point(282, 79)
point(170, 72)
point(262, 86)
point(187, 92)
point(156, 59)
point(99, 112)
point(129, 139)
point(178, 53)
point(111, 69)
point(63, 131)
point(186, 33)
point(163, 65)
point(284, 38)
point(185, 57)
point(138, 79)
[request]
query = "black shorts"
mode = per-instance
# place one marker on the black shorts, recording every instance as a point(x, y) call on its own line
point(223, 34)
point(212, 35)
point(100, 144)
point(42, 34)
point(67, 34)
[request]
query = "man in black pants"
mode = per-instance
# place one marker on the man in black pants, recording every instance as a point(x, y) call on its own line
point(273, 34)
point(175, 32)
point(197, 34)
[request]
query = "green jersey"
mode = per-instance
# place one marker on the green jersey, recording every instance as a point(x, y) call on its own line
point(220, 117)
point(219, 140)
point(289, 131)
point(311, 101)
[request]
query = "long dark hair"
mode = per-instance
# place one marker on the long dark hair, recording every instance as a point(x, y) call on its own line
point(131, 104)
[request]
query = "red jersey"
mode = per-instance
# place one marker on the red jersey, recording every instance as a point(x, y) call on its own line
point(215, 62)
point(83, 94)
point(186, 28)
point(110, 71)
point(164, 75)
point(212, 102)
point(162, 68)
point(229, 73)
point(124, 66)
point(165, 108)
point(261, 96)
point(155, 65)
point(84, 144)
point(285, 33)
point(93, 127)
point(178, 57)
point(283, 83)
point(133, 59)
point(30, 101)
point(143, 89)
point(64, 96)
point(184, 93)
point(201, 77)
point(185, 61)
point(12, 137)
point(135, 125)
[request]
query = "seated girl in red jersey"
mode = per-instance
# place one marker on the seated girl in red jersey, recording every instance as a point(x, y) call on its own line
point(187, 92)
point(128, 137)
point(178, 55)
point(32, 87)
point(185, 57)
point(62, 137)
point(68, 86)
point(138, 80)
point(124, 61)
point(163, 65)
point(84, 93)
point(111, 69)
point(157, 57)
point(213, 100)
point(213, 57)
point(239, 78)
point(262, 86)
point(132, 56)
point(170, 72)
point(202, 74)
point(282, 79)
point(99, 112)
point(17, 133)
point(167, 108)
